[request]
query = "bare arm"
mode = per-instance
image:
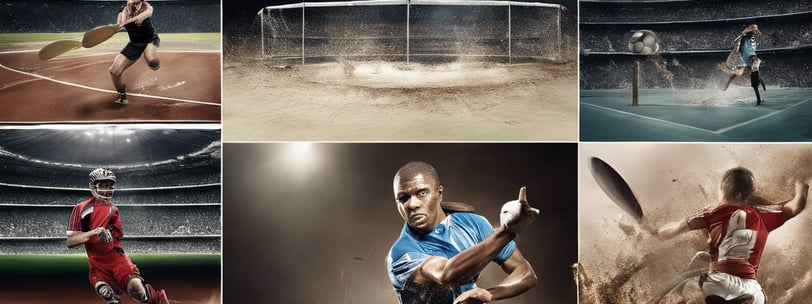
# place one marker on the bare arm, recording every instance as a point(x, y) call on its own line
point(464, 266)
point(122, 16)
point(798, 203)
point(146, 13)
point(521, 278)
point(467, 264)
point(80, 238)
point(765, 37)
point(673, 229)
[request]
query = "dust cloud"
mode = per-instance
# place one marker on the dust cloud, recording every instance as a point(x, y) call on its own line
point(623, 263)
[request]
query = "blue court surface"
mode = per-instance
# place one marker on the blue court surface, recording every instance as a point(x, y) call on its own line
point(697, 115)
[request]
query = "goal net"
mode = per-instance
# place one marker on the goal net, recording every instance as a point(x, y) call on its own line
point(416, 30)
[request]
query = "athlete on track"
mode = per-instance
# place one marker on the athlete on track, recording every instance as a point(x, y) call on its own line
point(136, 19)
point(440, 253)
point(95, 223)
point(738, 230)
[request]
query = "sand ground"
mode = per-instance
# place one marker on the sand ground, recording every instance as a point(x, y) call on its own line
point(382, 101)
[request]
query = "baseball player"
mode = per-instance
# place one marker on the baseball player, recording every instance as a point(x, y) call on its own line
point(440, 253)
point(738, 229)
point(135, 17)
point(95, 223)
point(745, 59)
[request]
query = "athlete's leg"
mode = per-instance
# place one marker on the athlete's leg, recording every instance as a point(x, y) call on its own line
point(727, 84)
point(136, 290)
point(758, 95)
point(107, 293)
point(103, 284)
point(756, 63)
point(736, 73)
point(755, 79)
point(120, 64)
point(143, 292)
point(151, 57)
point(725, 288)
point(744, 299)
point(756, 66)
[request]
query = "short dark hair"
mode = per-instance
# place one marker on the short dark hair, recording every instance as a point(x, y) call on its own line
point(414, 168)
point(737, 184)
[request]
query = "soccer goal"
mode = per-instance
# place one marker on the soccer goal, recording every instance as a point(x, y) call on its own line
point(416, 30)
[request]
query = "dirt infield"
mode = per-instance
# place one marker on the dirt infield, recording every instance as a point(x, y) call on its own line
point(78, 291)
point(78, 88)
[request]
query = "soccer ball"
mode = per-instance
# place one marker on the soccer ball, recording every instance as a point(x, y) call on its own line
point(644, 42)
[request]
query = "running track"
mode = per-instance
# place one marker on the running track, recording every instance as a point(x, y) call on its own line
point(78, 88)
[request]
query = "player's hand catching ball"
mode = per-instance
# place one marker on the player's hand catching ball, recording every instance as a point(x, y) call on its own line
point(104, 235)
point(517, 215)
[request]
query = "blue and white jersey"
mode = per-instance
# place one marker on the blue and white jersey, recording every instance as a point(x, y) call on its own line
point(459, 231)
point(747, 47)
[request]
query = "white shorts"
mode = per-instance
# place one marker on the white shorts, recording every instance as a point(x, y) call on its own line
point(729, 287)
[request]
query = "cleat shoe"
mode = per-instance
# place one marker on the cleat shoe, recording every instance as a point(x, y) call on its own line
point(162, 299)
point(122, 99)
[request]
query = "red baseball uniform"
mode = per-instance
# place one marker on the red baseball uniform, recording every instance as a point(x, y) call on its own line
point(741, 247)
point(107, 262)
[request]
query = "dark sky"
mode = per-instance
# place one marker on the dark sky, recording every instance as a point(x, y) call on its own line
point(314, 226)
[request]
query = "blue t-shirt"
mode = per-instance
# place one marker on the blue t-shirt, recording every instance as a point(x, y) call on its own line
point(459, 231)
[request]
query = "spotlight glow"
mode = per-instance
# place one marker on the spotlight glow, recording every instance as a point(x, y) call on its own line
point(298, 159)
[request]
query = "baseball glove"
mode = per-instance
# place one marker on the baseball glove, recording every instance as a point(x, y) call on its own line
point(105, 236)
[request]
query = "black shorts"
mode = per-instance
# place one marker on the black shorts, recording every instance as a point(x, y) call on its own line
point(134, 50)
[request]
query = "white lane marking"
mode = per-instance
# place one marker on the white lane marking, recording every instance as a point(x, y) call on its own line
point(650, 118)
point(741, 124)
point(108, 91)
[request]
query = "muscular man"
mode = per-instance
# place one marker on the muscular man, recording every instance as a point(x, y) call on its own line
point(135, 17)
point(440, 253)
point(738, 229)
point(744, 54)
point(95, 223)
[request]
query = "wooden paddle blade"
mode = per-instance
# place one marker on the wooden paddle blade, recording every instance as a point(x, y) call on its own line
point(615, 187)
point(98, 35)
point(57, 48)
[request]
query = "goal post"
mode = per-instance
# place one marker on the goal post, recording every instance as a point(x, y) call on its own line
point(405, 30)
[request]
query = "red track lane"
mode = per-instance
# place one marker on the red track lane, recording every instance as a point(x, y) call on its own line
point(183, 77)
